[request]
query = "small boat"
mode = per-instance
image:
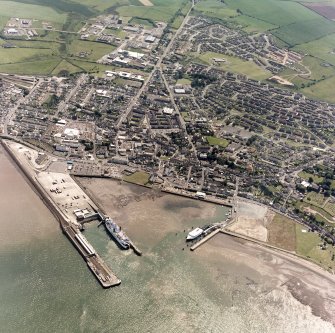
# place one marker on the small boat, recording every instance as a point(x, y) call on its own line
point(195, 233)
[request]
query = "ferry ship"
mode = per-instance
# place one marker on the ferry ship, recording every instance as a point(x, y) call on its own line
point(203, 231)
point(115, 231)
point(195, 233)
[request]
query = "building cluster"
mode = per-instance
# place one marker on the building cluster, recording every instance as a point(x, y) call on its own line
point(18, 27)
point(204, 34)
point(112, 29)
point(189, 126)
point(10, 94)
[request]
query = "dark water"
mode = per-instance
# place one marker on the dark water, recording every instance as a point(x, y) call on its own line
point(45, 285)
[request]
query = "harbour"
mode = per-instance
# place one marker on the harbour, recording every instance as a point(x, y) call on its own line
point(100, 270)
point(45, 286)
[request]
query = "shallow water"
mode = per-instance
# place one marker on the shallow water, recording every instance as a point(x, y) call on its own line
point(45, 285)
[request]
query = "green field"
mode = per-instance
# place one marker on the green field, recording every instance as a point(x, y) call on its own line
point(315, 199)
point(323, 90)
point(234, 64)
point(286, 234)
point(64, 65)
point(307, 245)
point(318, 71)
point(95, 50)
point(139, 177)
point(281, 233)
point(102, 5)
point(17, 55)
point(321, 48)
point(42, 67)
point(305, 31)
point(306, 176)
point(214, 141)
point(276, 12)
point(23, 10)
point(215, 8)
point(140, 21)
point(161, 11)
point(253, 25)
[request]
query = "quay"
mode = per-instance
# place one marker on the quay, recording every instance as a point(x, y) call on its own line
point(98, 267)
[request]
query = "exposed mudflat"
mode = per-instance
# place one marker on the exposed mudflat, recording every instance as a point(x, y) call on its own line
point(248, 279)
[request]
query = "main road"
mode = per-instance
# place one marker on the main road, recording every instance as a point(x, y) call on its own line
point(156, 67)
point(12, 111)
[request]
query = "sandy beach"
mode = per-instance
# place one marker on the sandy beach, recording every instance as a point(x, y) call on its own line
point(305, 281)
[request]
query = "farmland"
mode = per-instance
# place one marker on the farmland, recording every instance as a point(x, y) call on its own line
point(215, 8)
point(293, 24)
point(17, 9)
point(305, 31)
point(285, 233)
point(42, 67)
point(322, 90)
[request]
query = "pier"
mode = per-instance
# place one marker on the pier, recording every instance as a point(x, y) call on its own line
point(205, 239)
point(98, 267)
point(101, 271)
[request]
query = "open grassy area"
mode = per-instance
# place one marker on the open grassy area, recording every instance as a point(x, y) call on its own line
point(323, 90)
point(215, 8)
point(281, 233)
point(321, 48)
point(307, 245)
point(214, 141)
point(321, 211)
point(16, 55)
point(253, 25)
point(306, 176)
point(139, 177)
point(183, 81)
point(64, 65)
point(289, 235)
point(234, 64)
point(318, 70)
point(161, 11)
point(3, 21)
point(141, 21)
point(330, 208)
point(24, 10)
point(305, 31)
point(276, 12)
point(102, 5)
point(177, 22)
point(94, 50)
point(316, 199)
point(34, 44)
point(42, 67)
point(119, 33)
